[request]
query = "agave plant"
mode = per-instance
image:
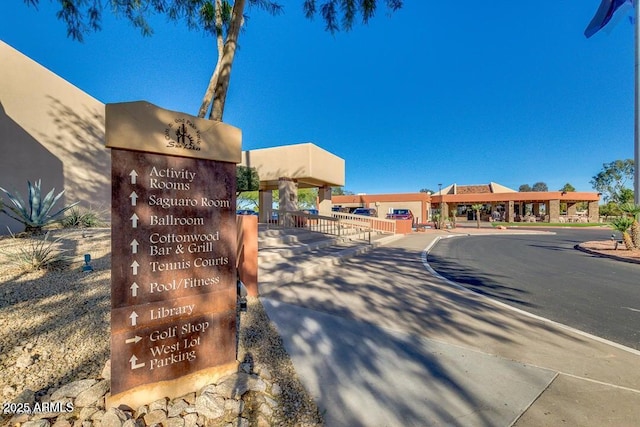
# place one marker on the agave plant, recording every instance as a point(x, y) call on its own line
point(622, 225)
point(39, 211)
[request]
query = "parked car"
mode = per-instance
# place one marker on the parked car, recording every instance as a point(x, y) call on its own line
point(400, 214)
point(365, 212)
point(246, 212)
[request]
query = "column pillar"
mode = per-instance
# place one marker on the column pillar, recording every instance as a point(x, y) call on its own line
point(554, 210)
point(444, 212)
point(324, 201)
point(593, 211)
point(288, 190)
point(509, 214)
point(265, 205)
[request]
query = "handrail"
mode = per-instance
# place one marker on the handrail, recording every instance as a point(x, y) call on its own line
point(372, 223)
point(338, 224)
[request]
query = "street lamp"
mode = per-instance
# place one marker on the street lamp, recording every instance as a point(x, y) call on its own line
point(441, 218)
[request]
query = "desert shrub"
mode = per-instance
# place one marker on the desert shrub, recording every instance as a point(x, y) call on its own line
point(37, 253)
point(81, 218)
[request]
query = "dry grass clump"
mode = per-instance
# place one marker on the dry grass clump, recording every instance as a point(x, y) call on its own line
point(35, 252)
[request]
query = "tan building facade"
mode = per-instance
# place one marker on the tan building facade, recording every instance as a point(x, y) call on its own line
point(289, 167)
point(52, 131)
point(501, 203)
point(418, 203)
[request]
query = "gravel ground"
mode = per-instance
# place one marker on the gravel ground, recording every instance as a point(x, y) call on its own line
point(54, 327)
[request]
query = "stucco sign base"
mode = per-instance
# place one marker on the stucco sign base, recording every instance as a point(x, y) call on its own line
point(142, 395)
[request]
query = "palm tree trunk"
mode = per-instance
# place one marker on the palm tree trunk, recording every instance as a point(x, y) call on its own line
point(229, 51)
point(626, 238)
point(635, 234)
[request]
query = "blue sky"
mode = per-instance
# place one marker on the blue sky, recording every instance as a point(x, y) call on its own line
point(438, 92)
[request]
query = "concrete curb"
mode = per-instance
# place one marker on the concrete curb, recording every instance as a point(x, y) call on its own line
point(425, 253)
point(600, 254)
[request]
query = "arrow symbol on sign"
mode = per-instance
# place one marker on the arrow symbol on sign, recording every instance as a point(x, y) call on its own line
point(134, 220)
point(133, 340)
point(135, 266)
point(133, 196)
point(133, 317)
point(133, 176)
point(133, 361)
point(134, 289)
point(134, 246)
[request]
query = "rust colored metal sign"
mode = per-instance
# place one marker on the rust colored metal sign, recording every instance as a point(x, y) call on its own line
point(173, 271)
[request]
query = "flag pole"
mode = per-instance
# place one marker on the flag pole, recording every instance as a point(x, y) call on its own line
point(636, 134)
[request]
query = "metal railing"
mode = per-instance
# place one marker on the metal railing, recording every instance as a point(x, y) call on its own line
point(338, 224)
point(372, 223)
point(300, 219)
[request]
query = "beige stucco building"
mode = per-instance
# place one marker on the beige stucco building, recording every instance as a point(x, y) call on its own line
point(53, 131)
point(501, 203)
point(418, 203)
point(290, 167)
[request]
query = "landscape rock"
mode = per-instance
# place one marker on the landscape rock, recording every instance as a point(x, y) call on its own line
point(210, 405)
point(234, 407)
point(87, 412)
point(276, 390)
point(106, 371)
point(113, 417)
point(174, 422)
point(37, 423)
point(72, 389)
point(24, 361)
point(158, 404)
point(157, 416)
point(234, 386)
point(190, 420)
point(93, 394)
point(62, 423)
point(27, 396)
point(176, 408)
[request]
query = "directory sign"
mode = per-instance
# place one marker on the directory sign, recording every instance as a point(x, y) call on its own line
point(173, 275)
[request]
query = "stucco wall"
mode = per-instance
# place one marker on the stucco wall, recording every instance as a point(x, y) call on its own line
point(385, 207)
point(53, 131)
point(308, 164)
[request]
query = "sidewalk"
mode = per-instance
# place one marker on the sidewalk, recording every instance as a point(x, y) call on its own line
point(379, 341)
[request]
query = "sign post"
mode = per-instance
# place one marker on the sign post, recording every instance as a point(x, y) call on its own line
point(173, 274)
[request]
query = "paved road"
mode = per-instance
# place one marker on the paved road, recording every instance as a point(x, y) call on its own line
point(379, 341)
point(545, 275)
